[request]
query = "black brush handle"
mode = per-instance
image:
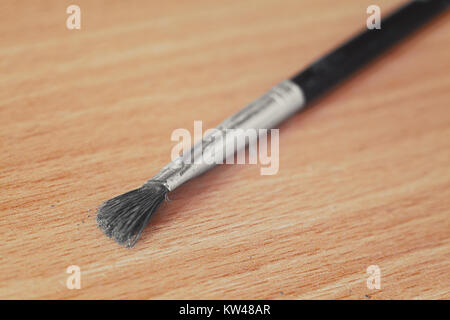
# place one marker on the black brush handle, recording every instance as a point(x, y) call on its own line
point(328, 71)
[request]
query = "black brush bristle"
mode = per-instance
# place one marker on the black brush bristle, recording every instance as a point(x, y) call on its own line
point(124, 217)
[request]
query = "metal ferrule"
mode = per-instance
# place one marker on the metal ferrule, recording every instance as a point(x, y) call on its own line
point(266, 112)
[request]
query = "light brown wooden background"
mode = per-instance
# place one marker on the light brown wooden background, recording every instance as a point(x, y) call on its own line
point(87, 114)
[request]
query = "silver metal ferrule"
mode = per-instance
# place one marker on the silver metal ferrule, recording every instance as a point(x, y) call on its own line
point(266, 112)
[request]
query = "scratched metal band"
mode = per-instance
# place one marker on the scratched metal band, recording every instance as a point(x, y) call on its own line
point(266, 112)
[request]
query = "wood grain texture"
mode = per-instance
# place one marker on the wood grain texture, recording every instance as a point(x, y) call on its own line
point(87, 114)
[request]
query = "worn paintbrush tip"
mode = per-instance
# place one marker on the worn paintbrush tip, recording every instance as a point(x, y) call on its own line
point(124, 217)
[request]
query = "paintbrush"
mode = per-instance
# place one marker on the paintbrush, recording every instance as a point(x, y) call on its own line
point(125, 216)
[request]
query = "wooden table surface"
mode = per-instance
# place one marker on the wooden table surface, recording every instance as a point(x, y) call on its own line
point(364, 177)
